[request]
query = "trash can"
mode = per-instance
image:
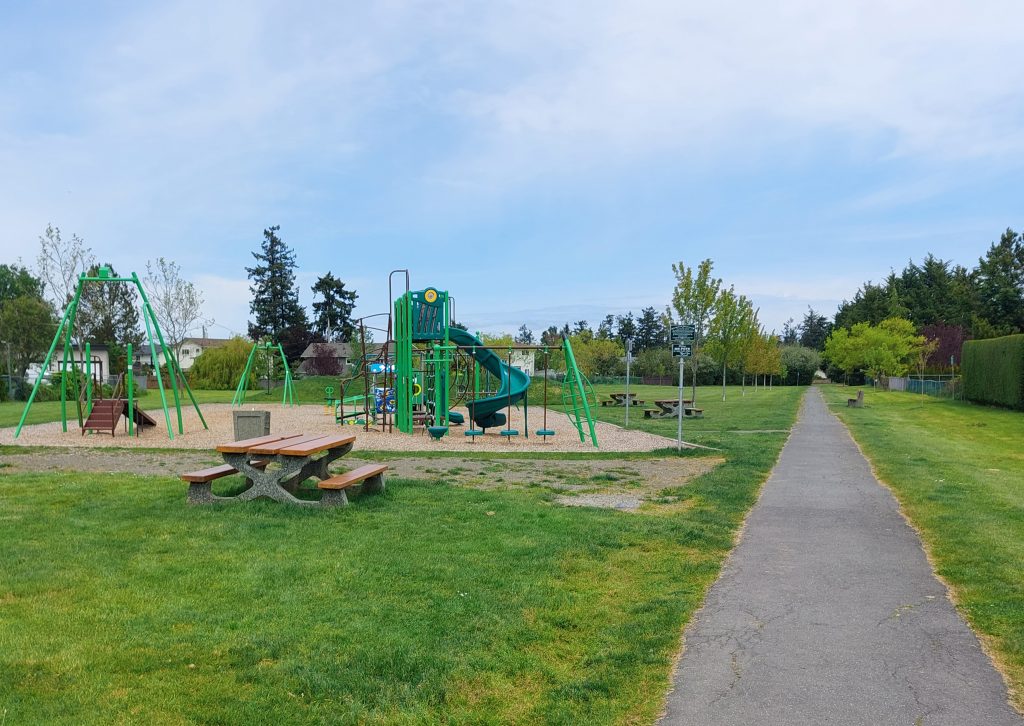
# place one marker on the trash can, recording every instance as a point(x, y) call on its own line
point(250, 424)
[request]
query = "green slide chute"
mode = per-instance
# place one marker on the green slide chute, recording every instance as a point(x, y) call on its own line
point(486, 412)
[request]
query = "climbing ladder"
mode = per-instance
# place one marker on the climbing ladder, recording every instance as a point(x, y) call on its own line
point(577, 394)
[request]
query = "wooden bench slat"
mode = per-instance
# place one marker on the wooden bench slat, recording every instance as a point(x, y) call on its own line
point(321, 444)
point(240, 447)
point(274, 447)
point(205, 475)
point(343, 481)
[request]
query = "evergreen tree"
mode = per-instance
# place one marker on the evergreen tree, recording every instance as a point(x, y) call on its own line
point(606, 329)
point(525, 335)
point(551, 336)
point(814, 330)
point(650, 331)
point(625, 327)
point(790, 333)
point(332, 314)
point(1000, 278)
point(275, 297)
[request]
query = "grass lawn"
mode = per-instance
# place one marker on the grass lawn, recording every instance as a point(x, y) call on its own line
point(958, 472)
point(119, 603)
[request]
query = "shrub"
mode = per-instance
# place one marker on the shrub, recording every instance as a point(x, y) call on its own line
point(800, 364)
point(220, 368)
point(993, 371)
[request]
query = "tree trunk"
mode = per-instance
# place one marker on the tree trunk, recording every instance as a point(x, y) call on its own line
point(723, 381)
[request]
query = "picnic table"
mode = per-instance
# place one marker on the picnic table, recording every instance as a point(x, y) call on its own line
point(275, 465)
point(619, 399)
point(669, 408)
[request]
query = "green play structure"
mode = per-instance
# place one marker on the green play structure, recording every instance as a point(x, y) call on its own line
point(84, 394)
point(426, 354)
point(270, 351)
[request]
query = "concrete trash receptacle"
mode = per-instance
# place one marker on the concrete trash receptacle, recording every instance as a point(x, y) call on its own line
point(250, 424)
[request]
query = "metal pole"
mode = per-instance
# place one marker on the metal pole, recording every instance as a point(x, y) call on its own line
point(629, 358)
point(46, 362)
point(679, 431)
point(130, 386)
point(88, 380)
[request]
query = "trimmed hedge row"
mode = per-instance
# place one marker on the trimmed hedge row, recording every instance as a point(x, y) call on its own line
point(994, 371)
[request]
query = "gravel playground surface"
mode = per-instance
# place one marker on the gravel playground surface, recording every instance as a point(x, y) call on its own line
point(311, 419)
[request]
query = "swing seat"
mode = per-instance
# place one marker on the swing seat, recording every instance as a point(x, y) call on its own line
point(473, 432)
point(545, 432)
point(436, 432)
point(509, 433)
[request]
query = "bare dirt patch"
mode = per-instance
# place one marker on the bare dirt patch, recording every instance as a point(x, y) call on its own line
point(629, 485)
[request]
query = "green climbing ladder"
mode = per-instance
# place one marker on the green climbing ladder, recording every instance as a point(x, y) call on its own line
point(577, 394)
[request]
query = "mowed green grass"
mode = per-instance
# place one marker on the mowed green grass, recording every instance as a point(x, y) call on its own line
point(118, 603)
point(958, 472)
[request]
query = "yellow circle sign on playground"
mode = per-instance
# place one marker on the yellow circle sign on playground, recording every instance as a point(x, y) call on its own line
point(430, 295)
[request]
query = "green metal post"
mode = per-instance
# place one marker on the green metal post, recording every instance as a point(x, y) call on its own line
point(239, 398)
point(46, 363)
point(64, 385)
point(163, 347)
point(188, 390)
point(88, 379)
point(159, 380)
point(578, 390)
point(129, 382)
point(289, 391)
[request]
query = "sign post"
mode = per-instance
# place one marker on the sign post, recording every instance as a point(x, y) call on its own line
point(629, 359)
point(682, 346)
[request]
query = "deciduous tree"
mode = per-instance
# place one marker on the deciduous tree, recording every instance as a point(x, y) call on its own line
point(176, 302)
point(693, 301)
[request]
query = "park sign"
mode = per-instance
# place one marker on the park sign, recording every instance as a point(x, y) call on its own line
point(682, 349)
point(682, 334)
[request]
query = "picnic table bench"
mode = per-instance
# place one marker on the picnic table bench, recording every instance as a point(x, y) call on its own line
point(857, 402)
point(295, 458)
point(619, 399)
point(669, 408)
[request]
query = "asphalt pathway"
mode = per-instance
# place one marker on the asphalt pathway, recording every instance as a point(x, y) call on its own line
point(828, 611)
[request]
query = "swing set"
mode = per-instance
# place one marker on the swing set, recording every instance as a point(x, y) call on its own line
point(90, 411)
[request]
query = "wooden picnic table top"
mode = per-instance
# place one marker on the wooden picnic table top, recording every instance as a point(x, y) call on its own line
point(631, 394)
point(287, 444)
point(673, 401)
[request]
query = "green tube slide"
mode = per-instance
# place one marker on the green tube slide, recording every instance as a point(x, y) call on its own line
point(487, 412)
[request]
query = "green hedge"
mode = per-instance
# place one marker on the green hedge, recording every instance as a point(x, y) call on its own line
point(994, 371)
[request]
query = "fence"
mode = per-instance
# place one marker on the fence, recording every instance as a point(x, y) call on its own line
point(939, 385)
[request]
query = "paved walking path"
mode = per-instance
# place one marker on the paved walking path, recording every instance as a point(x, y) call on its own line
point(828, 612)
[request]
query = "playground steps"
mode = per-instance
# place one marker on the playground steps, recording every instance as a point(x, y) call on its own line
point(105, 415)
point(107, 412)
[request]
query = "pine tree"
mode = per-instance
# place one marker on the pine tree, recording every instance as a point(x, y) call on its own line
point(332, 315)
point(525, 335)
point(275, 297)
point(650, 331)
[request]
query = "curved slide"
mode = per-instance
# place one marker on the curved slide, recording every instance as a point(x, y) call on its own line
point(486, 412)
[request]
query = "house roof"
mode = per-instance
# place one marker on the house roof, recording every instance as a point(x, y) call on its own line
point(208, 342)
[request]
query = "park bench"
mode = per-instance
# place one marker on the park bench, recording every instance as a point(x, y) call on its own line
point(371, 476)
point(694, 412)
point(200, 482)
point(857, 402)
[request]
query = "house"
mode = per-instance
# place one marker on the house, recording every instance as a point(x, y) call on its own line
point(191, 348)
point(343, 353)
point(99, 356)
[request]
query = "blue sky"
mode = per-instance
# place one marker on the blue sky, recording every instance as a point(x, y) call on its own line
point(542, 161)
